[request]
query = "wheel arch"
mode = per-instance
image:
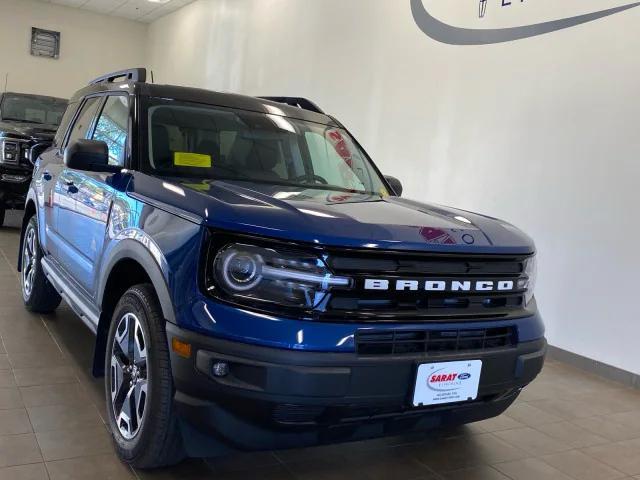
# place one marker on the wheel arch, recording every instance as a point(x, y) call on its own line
point(129, 264)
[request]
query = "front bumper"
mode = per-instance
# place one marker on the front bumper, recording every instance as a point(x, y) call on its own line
point(276, 398)
point(14, 184)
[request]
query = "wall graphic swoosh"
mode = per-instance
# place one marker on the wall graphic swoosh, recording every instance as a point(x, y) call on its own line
point(445, 33)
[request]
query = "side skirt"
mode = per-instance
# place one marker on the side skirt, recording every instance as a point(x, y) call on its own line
point(76, 299)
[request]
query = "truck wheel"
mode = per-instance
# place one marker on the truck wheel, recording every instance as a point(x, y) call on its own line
point(2, 212)
point(139, 384)
point(38, 294)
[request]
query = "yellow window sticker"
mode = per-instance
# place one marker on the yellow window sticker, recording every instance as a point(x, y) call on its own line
point(202, 187)
point(187, 159)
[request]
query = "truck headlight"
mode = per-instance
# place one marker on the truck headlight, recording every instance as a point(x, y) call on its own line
point(528, 282)
point(9, 151)
point(252, 274)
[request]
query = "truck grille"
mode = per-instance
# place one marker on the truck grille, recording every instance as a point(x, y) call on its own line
point(359, 303)
point(436, 342)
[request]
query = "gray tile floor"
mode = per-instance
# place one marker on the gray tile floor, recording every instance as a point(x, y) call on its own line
point(567, 425)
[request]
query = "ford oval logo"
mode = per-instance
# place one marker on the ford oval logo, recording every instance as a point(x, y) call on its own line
point(464, 376)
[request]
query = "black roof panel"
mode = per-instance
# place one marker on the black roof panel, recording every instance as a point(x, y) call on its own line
point(208, 97)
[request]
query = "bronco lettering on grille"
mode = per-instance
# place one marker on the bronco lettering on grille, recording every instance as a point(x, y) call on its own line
point(440, 285)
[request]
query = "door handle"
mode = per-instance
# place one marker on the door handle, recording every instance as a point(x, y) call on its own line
point(47, 176)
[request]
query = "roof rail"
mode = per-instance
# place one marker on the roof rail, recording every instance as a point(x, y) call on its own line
point(131, 74)
point(299, 102)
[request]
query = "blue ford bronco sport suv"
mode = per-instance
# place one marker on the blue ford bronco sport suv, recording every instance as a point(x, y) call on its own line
point(254, 282)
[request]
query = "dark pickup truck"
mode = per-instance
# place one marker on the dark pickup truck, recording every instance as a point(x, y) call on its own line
point(28, 124)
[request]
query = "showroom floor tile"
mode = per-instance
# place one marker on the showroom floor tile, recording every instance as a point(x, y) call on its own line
point(567, 425)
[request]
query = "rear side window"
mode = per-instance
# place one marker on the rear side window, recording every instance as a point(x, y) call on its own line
point(64, 124)
point(84, 119)
point(111, 127)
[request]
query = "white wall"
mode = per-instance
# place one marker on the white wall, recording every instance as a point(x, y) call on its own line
point(91, 44)
point(541, 132)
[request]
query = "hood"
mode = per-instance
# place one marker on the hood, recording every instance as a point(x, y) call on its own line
point(31, 131)
point(335, 218)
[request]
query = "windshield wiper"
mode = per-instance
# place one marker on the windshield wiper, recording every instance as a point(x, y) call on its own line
point(313, 186)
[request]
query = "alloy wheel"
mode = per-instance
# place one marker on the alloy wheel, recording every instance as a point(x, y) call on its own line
point(29, 261)
point(129, 376)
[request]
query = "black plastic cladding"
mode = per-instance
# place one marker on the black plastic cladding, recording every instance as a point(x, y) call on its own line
point(132, 75)
point(296, 102)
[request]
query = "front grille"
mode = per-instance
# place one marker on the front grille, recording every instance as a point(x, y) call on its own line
point(358, 303)
point(296, 414)
point(433, 342)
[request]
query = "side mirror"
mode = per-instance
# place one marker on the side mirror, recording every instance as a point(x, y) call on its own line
point(89, 155)
point(395, 185)
point(37, 150)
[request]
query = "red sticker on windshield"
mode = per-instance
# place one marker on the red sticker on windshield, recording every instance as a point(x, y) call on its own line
point(340, 146)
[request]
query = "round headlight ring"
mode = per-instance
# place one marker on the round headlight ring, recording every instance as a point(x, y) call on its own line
point(241, 271)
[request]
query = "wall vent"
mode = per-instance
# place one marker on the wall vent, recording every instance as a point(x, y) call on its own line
point(45, 43)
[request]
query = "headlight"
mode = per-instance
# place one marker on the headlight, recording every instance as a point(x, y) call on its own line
point(248, 273)
point(9, 151)
point(530, 277)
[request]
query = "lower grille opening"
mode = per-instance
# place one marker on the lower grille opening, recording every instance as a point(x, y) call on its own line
point(432, 342)
point(311, 415)
point(287, 413)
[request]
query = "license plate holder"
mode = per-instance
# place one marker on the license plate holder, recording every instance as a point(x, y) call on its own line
point(440, 383)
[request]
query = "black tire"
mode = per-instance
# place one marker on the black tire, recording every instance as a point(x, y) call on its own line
point(2, 214)
point(157, 441)
point(37, 292)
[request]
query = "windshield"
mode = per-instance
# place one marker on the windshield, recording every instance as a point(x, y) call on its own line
point(216, 143)
point(32, 109)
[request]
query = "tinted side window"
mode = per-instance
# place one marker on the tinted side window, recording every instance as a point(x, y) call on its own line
point(84, 119)
point(112, 127)
point(64, 124)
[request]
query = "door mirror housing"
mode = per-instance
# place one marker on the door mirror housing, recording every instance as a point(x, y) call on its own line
point(37, 150)
point(89, 156)
point(395, 185)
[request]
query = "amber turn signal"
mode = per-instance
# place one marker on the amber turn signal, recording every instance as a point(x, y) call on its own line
point(181, 348)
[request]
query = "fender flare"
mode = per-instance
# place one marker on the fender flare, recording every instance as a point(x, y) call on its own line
point(130, 249)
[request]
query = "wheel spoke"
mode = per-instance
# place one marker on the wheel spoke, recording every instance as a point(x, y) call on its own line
point(140, 400)
point(122, 336)
point(125, 420)
point(117, 380)
point(26, 257)
point(30, 278)
point(32, 242)
point(139, 346)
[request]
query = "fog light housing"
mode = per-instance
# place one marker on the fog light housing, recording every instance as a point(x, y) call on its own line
point(220, 369)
